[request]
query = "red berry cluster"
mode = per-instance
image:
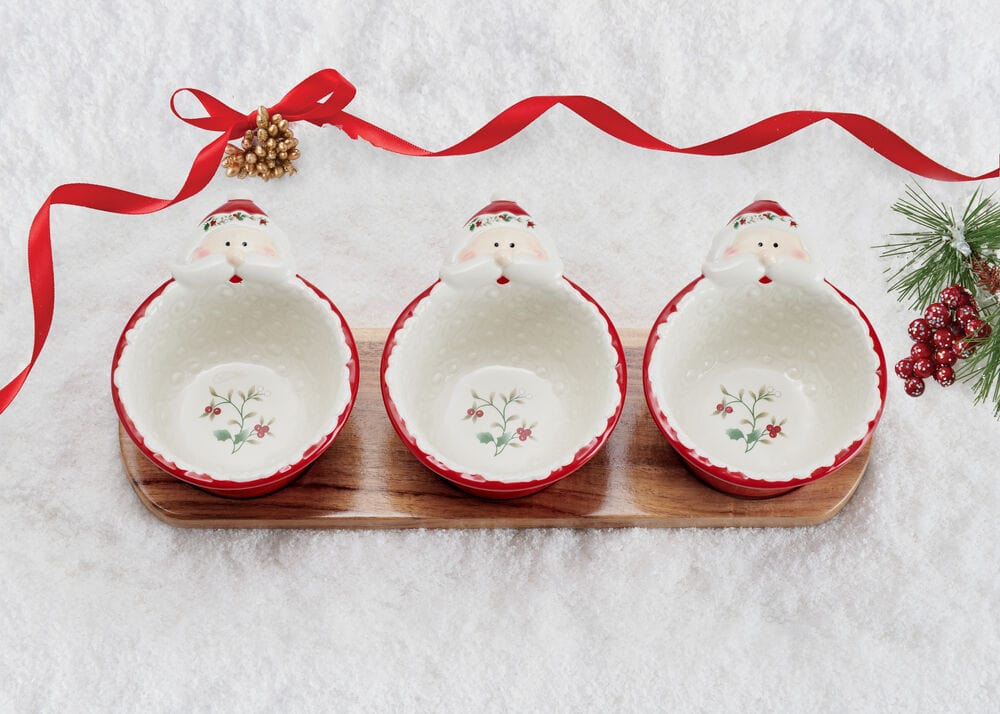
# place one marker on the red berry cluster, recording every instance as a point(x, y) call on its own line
point(945, 334)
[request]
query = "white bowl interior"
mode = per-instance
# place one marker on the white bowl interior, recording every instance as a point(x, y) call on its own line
point(799, 359)
point(280, 339)
point(535, 358)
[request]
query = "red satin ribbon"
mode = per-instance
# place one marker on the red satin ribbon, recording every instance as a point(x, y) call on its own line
point(320, 99)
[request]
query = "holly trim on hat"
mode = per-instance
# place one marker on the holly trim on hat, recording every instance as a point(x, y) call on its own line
point(751, 218)
point(487, 221)
point(240, 216)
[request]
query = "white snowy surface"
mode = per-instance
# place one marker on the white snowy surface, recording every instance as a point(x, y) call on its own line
point(893, 605)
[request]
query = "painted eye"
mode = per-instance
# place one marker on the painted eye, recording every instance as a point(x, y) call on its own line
point(245, 244)
point(496, 245)
point(227, 244)
point(775, 245)
point(760, 245)
point(511, 245)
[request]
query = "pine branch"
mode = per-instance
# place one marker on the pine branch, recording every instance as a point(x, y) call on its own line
point(950, 251)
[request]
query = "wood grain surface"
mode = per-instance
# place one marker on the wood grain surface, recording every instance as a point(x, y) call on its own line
point(368, 479)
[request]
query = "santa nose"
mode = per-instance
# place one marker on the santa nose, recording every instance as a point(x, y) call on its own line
point(234, 255)
point(503, 257)
point(768, 256)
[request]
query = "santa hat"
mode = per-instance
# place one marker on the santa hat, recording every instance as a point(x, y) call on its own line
point(765, 211)
point(503, 213)
point(236, 211)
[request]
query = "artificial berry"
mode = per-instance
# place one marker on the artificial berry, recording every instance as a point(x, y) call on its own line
point(470, 411)
point(937, 315)
point(969, 297)
point(208, 410)
point(217, 411)
point(920, 330)
point(964, 349)
point(977, 329)
point(921, 350)
point(479, 413)
point(956, 329)
point(966, 313)
point(953, 297)
point(914, 387)
point(944, 375)
point(923, 368)
point(943, 339)
point(904, 368)
point(945, 358)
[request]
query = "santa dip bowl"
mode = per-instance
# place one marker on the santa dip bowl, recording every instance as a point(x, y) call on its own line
point(503, 377)
point(762, 375)
point(236, 374)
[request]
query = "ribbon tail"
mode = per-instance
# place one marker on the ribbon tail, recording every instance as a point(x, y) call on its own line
point(102, 198)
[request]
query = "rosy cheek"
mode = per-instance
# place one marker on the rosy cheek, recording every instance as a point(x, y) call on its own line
point(202, 252)
point(733, 250)
point(539, 253)
point(467, 255)
point(799, 254)
point(269, 251)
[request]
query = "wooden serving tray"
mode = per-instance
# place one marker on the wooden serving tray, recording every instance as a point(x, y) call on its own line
point(368, 479)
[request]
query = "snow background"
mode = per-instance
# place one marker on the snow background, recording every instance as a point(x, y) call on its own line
point(890, 606)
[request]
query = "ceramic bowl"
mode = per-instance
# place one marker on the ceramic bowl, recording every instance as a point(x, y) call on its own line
point(237, 374)
point(760, 374)
point(503, 377)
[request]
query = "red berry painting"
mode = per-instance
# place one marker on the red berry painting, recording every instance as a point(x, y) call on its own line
point(499, 405)
point(747, 402)
point(237, 433)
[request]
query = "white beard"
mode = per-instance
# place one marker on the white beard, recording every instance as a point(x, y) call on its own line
point(216, 269)
point(484, 270)
point(747, 268)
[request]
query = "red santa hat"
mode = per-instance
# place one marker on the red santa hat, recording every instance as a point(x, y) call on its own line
point(500, 213)
point(236, 211)
point(764, 211)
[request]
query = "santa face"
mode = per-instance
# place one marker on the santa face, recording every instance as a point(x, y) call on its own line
point(500, 255)
point(768, 245)
point(235, 244)
point(502, 244)
point(234, 251)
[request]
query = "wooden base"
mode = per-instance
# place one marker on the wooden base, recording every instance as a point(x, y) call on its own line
point(368, 479)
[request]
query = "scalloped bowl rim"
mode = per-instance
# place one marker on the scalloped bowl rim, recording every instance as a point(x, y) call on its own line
point(475, 482)
point(734, 476)
point(256, 485)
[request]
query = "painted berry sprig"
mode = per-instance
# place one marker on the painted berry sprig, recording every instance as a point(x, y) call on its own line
point(242, 433)
point(753, 435)
point(950, 269)
point(507, 436)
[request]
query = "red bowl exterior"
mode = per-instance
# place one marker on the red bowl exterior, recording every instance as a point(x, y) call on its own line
point(477, 485)
point(734, 482)
point(237, 489)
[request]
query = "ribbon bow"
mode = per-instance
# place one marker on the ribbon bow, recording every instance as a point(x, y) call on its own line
point(318, 99)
